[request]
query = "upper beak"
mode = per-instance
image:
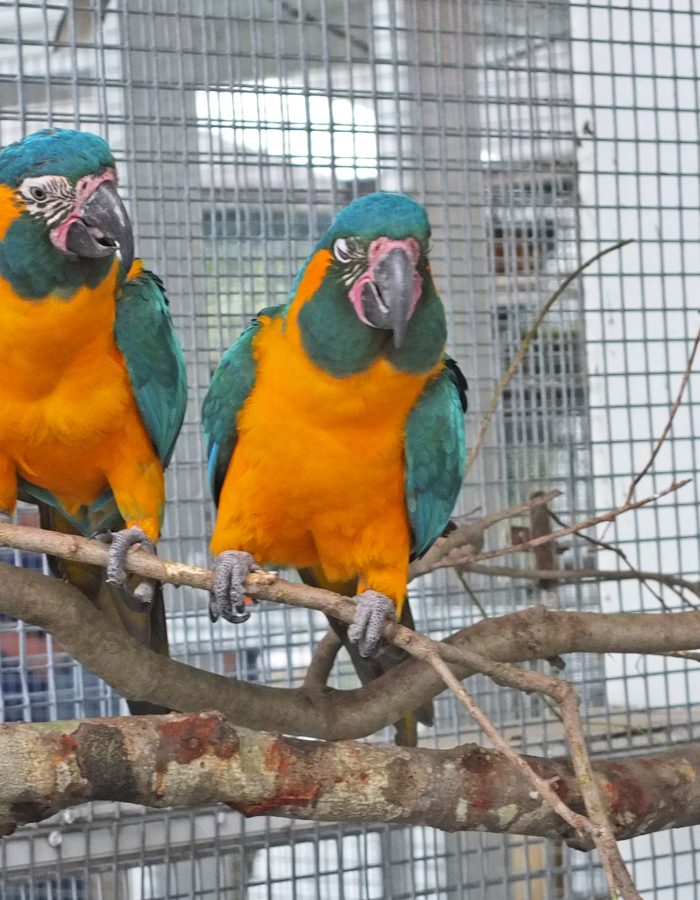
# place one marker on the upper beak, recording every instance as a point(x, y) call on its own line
point(103, 227)
point(389, 300)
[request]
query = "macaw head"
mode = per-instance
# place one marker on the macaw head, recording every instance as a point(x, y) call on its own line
point(61, 218)
point(377, 293)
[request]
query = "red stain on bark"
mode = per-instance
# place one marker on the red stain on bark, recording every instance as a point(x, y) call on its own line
point(186, 738)
point(306, 797)
point(625, 794)
point(159, 789)
point(289, 760)
point(66, 747)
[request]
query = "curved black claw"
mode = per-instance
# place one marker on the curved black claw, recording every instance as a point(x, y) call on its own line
point(228, 597)
point(373, 610)
point(120, 542)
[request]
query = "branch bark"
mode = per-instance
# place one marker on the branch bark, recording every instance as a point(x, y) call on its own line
point(535, 633)
point(193, 760)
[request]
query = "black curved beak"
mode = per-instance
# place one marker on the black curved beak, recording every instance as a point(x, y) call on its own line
point(387, 301)
point(103, 228)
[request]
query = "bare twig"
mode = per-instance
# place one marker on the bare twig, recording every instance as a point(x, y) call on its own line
point(577, 822)
point(518, 509)
point(682, 654)
point(470, 593)
point(669, 422)
point(567, 575)
point(596, 825)
point(472, 534)
point(619, 552)
point(525, 343)
point(667, 427)
point(563, 532)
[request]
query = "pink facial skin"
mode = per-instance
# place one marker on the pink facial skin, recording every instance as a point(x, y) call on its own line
point(87, 185)
point(378, 249)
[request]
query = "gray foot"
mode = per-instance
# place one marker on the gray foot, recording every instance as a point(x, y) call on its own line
point(120, 543)
point(228, 598)
point(373, 611)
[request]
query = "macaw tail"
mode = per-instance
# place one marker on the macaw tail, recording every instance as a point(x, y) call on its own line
point(369, 669)
point(147, 626)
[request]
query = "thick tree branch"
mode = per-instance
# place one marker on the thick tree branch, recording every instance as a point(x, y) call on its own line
point(199, 759)
point(536, 633)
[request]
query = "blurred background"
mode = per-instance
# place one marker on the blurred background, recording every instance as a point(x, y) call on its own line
point(536, 132)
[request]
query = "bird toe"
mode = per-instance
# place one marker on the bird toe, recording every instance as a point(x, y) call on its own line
point(373, 611)
point(228, 599)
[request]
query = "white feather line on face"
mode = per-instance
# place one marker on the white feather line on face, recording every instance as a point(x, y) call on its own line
point(353, 259)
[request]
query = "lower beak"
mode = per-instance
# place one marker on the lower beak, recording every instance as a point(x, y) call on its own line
point(103, 228)
point(389, 299)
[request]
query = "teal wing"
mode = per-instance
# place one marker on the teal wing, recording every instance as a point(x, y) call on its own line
point(145, 335)
point(229, 389)
point(101, 515)
point(435, 455)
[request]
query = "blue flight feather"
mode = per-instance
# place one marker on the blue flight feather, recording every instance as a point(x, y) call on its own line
point(229, 389)
point(435, 456)
point(144, 333)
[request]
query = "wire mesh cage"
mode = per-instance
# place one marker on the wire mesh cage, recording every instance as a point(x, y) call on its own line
point(535, 132)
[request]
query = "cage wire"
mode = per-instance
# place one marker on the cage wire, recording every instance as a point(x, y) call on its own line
point(536, 132)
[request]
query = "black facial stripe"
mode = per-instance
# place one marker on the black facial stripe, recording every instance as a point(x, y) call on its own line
point(352, 271)
point(55, 209)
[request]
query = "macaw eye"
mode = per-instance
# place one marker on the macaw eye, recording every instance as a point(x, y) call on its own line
point(341, 251)
point(38, 194)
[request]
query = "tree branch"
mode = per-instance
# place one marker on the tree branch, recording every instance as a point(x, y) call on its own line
point(322, 661)
point(192, 760)
point(536, 633)
point(595, 825)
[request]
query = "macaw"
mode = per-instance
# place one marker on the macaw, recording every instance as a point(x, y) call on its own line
point(335, 426)
point(94, 387)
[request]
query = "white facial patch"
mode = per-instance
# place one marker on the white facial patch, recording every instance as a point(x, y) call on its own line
point(49, 196)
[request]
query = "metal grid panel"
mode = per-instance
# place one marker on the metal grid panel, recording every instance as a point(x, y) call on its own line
point(535, 132)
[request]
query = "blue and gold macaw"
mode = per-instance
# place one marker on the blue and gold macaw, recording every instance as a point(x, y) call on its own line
point(335, 426)
point(94, 391)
